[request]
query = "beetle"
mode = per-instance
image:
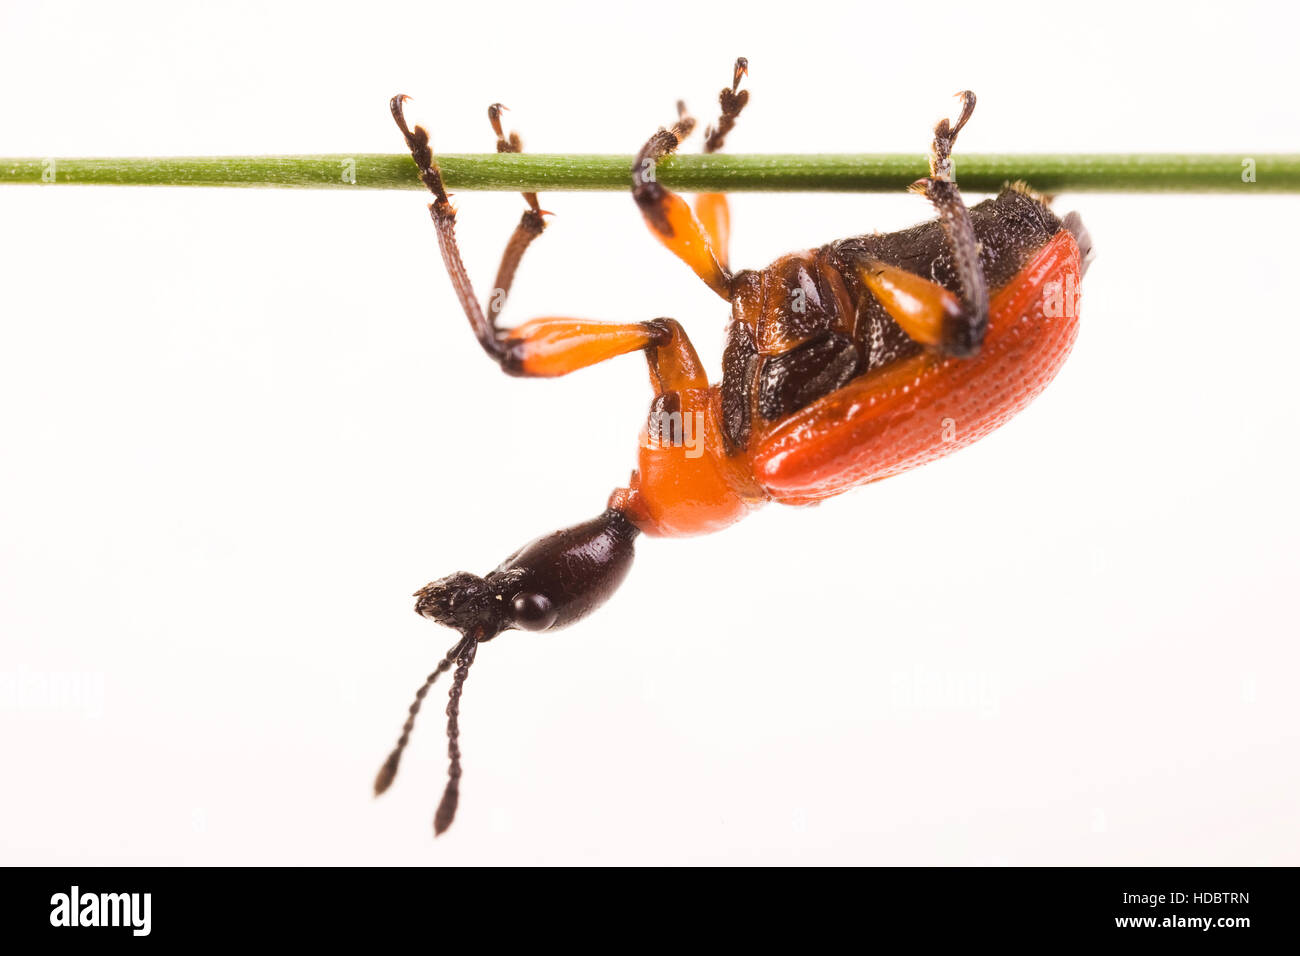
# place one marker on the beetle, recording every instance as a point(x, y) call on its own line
point(843, 365)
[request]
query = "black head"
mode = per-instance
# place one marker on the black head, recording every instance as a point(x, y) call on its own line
point(547, 584)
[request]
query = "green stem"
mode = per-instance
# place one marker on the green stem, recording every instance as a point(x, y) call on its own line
point(1099, 172)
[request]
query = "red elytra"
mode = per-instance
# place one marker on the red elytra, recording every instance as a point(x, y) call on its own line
point(928, 406)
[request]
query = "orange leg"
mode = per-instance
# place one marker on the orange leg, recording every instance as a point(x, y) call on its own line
point(674, 363)
point(714, 214)
point(686, 483)
point(700, 239)
point(547, 347)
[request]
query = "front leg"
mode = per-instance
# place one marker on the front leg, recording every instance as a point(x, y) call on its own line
point(531, 223)
point(560, 345)
point(444, 221)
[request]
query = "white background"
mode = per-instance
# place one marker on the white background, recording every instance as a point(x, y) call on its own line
point(239, 428)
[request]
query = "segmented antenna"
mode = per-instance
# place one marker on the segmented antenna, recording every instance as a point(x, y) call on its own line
point(384, 779)
point(451, 795)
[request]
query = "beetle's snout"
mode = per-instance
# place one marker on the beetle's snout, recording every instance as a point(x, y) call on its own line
point(461, 601)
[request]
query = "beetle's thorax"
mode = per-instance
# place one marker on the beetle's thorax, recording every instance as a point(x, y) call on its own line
point(796, 333)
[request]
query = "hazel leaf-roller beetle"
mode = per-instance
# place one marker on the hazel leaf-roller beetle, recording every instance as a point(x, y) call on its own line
point(843, 365)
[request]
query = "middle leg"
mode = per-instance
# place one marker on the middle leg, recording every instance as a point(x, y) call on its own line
point(698, 239)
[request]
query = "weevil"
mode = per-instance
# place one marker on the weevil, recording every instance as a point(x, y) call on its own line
point(843, 365)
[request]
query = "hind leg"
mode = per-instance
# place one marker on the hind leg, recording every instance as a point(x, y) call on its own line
point(951, 324)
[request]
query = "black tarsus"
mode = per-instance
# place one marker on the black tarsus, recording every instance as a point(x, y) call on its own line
point(732, 101)
point(962, 334)
point(417, 141)
point(645, 185)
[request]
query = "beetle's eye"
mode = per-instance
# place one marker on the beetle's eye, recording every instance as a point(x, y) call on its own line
point(533, 612)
